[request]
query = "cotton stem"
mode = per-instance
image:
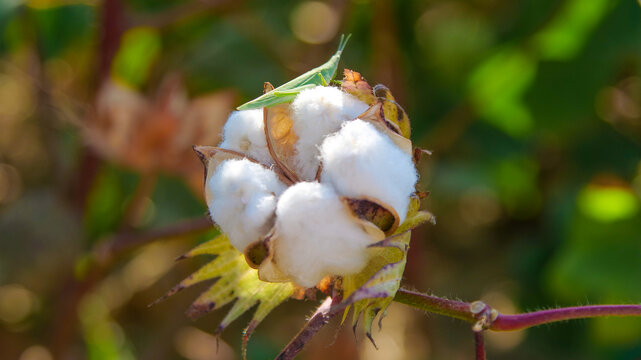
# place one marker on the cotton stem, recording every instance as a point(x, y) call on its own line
point(492, 320)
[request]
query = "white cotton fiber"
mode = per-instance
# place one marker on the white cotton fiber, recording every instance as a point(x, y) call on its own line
point(316, 113)
point(359, 161)
point(315, 236)
point(244, 132)
point(244, 196)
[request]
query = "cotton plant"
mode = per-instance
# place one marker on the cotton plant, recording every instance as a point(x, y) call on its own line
point(313, 188)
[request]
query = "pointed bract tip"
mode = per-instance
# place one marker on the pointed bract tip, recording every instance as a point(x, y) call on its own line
point(371, 339)
point(204, 152)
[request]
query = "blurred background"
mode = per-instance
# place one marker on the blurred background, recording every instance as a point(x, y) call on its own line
point(532, 109)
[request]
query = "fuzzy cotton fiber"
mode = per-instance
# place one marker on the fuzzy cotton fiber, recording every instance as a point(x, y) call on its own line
point(359, 161)
point(244, 199)
point(315, 235)
point(316, 113)
point(244, 132)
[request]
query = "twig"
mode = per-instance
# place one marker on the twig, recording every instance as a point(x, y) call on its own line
point(111, 249)
point(136, 207)
point(500, 322)
point(479, 344)
point(331, 307)
point(104, 255)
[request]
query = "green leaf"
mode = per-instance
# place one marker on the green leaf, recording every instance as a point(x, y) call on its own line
point(569, 30)
point(138, 51)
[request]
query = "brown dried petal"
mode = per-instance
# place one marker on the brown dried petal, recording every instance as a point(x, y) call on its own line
point(374, 211)
point(393, 111)
point(353, 83)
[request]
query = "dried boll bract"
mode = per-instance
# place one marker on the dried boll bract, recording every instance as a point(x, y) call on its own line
point(359, 161)
point(243, 200)
point(316, 236)
point(316, 113)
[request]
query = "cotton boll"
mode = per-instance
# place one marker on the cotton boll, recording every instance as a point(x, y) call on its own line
point(244, 132)
point(316, 236)
point(316, 113)
point(359, 161)
point(244, 196)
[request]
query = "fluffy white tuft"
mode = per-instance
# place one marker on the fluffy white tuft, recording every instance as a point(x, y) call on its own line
point(244, 196)
point(316, 113)
point(316, 236)
point(360, 161)
point(244, 131)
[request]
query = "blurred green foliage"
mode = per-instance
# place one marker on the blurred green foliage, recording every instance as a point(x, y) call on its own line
point(532, 108)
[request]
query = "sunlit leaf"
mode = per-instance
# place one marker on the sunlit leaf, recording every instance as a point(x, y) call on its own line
point(497, 87)
point(138, 51)
point(607, 204)
point(568, 31)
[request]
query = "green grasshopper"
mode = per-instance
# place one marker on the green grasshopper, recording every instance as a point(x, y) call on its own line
point(321, 75)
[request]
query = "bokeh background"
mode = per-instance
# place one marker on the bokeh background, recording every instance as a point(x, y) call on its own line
point(532, 109)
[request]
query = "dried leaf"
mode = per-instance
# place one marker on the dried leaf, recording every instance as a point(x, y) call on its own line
point(353, 83)
point(393, 111)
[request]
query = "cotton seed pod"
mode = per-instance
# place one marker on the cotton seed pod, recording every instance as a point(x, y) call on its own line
point(316, 113)
point(244, 132)
point(241, 195)
point(316, 235)
point(361, 162)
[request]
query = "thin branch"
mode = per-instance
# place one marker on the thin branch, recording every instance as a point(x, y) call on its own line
point(123, 242)
point(524, 321)
point(489, 319)
point(479, 344)
point(434, 304)
point(331, 307)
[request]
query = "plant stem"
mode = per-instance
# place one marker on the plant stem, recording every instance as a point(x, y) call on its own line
point(125, 241)
point(331, 307)
point(479, 344)
point(461, 310)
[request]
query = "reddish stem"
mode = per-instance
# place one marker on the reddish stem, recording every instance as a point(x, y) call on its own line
point(524, 321)
point(461, 310)
point(479, 344)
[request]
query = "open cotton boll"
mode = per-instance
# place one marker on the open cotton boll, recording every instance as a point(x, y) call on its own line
point(316, 113)
point(315, 236)
point(359, 161)
point(244, 196)
point(244, 132)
